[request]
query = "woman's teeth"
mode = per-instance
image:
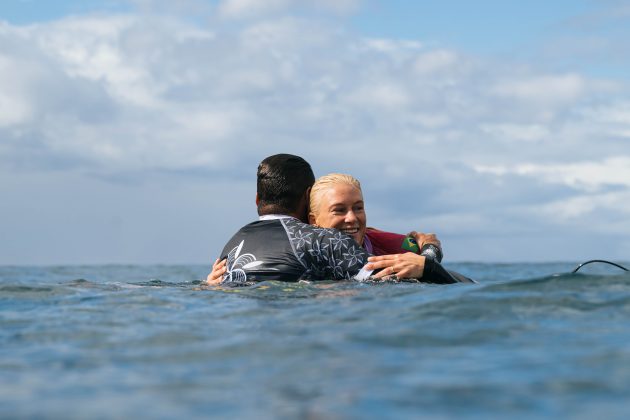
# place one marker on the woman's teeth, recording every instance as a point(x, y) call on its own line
point(350, 231)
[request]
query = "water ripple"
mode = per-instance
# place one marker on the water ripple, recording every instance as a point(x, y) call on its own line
point(152, 341)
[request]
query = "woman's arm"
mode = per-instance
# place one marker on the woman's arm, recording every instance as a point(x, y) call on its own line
point(410, 265)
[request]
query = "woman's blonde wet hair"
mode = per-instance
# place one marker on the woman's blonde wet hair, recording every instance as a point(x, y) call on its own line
point(325, 182)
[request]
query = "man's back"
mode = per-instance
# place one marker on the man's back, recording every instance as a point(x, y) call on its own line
point(283, 248)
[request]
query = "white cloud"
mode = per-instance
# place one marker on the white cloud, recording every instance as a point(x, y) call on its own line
point(614, 171)
point(117, 53)
point(435, 61)
point(281, 37)
point(385, 95)
point(391, 45)
point(239, 9)
point(617, 114)
point(516, 132)
point(179, 7)
point(577, 208)
point(247, 8)
point(337, 6)
point(15, 108)
point(138, 86)
point(543, 89)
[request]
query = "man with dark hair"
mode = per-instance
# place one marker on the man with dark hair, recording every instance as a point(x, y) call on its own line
point(281, 245)
point(283, 182)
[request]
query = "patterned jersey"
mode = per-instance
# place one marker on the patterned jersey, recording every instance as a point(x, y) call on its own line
point(286, 249)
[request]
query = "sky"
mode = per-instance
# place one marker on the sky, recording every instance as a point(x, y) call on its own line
point(130, 130)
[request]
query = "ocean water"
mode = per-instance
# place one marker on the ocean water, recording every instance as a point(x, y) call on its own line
point(530, 340)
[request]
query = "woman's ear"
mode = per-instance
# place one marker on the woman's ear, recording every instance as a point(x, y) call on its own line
point(311, 219)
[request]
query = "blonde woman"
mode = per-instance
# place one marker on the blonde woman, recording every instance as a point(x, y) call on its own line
point(336, 201)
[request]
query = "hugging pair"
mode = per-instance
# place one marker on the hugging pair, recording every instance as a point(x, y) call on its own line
point(317, 231)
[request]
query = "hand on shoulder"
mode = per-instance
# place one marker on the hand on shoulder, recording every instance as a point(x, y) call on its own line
point(218, 270)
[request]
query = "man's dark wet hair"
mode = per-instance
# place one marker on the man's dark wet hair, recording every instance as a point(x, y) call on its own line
point(282, 181)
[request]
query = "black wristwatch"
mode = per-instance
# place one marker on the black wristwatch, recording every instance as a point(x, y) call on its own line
point(431, 251)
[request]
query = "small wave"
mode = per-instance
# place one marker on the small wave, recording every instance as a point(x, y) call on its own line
point(566, 280)
point(162, 283)
point(82, 283)
point(20, 288)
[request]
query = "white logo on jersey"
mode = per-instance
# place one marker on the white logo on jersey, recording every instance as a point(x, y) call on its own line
point(236, 265)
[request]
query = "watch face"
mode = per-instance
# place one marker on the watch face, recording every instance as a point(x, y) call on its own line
point(431, 251)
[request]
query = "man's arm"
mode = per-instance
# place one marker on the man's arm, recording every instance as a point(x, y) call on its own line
point(336, 256)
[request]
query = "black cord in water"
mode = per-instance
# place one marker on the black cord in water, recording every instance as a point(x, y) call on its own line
point(599, 261)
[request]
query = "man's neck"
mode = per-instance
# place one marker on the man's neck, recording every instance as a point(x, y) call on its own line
point(278, 212)
point(274, 216)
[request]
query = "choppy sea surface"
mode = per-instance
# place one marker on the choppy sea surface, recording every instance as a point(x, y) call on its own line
point(529, 340)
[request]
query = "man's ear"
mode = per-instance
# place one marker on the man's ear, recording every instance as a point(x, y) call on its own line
point(304, 205)
point(257, 200)
point(307, 197)
point(308, 194)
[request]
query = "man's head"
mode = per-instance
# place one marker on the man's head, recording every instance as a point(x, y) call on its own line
point(283, 184)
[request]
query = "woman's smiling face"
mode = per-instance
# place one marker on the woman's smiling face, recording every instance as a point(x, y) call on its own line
point(341, 207)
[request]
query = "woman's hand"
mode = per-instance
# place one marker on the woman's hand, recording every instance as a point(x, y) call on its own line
point(218, 270)
point(407, 265)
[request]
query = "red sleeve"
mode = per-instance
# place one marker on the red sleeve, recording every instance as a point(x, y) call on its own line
point(385, 242)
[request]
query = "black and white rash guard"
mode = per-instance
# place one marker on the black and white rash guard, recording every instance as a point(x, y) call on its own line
point(283, 248)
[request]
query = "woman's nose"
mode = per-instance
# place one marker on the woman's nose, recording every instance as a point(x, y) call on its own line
point(350, 217)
